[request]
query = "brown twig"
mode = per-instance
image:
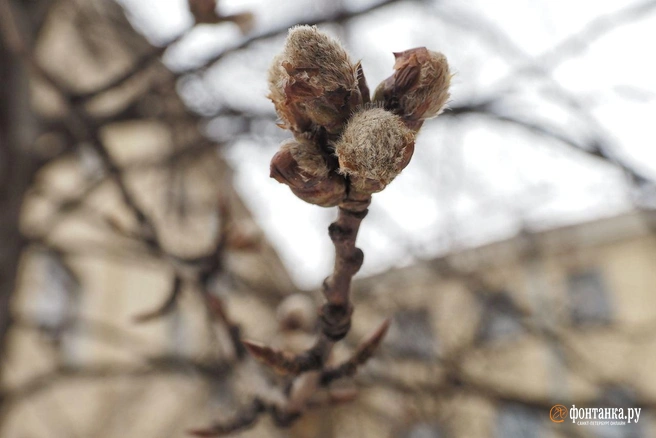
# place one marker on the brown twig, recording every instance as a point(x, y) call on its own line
point(335, 314)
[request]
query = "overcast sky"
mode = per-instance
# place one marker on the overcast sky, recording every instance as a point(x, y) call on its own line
point(471, 180)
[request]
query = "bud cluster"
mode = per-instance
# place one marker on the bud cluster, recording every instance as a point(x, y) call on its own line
point(343, 143)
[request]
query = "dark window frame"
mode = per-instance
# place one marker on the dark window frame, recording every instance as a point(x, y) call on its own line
point(589, 298)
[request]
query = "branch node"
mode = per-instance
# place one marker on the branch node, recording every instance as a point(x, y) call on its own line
point(335, 320)
point(339, 233)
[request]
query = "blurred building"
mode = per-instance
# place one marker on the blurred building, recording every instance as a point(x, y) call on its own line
point(483, 343)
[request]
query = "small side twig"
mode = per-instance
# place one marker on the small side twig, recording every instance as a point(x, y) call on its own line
point(364, 352)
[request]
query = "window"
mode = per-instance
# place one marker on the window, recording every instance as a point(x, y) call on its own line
point(621, 397)
point(500, 318)
point(589, 298)
point(411, 335)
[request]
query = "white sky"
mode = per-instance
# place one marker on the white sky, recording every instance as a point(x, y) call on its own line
point(470, 180)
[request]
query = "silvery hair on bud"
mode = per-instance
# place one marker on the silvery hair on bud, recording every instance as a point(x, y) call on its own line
point(308, 157)
point(373, 145)
point(308, 48)
point(277, 77)
point(433, 90)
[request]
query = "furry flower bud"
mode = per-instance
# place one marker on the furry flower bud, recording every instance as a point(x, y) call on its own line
point(313, 83)
point(297, 312)
point(303, 168)
point(374, 148)
point(419, 87)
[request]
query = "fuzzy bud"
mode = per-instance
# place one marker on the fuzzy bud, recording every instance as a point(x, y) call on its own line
point(419, 87)
point(303, 168)
point(313, 83)
point(374, 148)
point(297, 312)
